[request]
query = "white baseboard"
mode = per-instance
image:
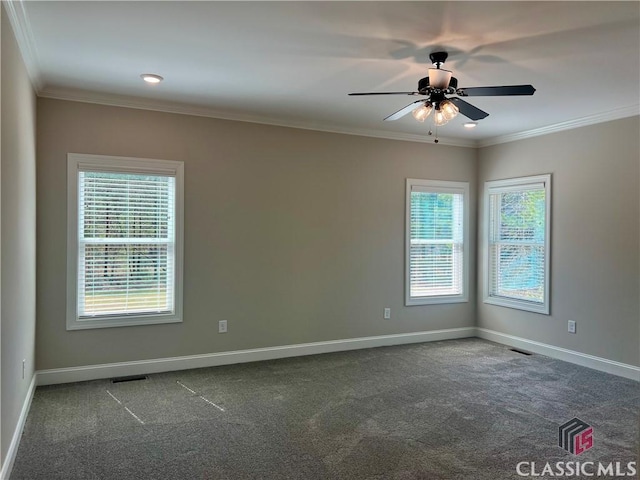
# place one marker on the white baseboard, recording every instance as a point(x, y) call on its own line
point(139, 367)
point(7, 465)
point(93, 372)
point(591, 361)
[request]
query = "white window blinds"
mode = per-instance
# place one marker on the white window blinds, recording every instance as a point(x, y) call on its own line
point(124, 241)
point(126, 244)
point(518, 227)
point(436, 242)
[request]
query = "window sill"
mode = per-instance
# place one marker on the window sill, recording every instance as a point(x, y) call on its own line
point(410, 302)
point(123, 321)
point(518, 305)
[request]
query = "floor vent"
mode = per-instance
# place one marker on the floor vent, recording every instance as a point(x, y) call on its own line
point(520, 351)
point(132, 378)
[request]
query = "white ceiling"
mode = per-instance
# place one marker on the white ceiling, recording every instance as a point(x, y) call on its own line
point(293, 63)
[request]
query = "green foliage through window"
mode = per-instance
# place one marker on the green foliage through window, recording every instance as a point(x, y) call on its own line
point(436, 243)
point(517, 232)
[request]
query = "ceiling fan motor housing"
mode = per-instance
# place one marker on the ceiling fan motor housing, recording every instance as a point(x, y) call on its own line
point(423, 85)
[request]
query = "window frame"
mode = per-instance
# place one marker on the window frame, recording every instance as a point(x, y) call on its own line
point(495, 186)
point(438, 186)
point(126, 165)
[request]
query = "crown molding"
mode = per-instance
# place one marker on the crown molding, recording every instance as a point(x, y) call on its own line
point(125, 101)
point(624, 112)
point(202, 111)
point(24, 37)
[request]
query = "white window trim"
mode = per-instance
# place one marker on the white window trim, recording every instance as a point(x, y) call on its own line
point(518, 184)
point(103, 163)
point(446, 187)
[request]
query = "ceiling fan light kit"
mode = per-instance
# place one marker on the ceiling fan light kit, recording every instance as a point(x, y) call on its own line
point(437, 86)
point(448, 109)
point(422, 112)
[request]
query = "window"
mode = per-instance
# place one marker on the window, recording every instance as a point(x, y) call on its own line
point(517, 257)
point(124, 259)
point(437, 246)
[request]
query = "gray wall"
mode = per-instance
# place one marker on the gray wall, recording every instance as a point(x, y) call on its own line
point(18, 258)
point(292, 236)
point(595, 263)
point(296, 236)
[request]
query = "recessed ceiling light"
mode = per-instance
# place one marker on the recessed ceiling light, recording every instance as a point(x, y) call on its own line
point(151, 78)
point(470, 125)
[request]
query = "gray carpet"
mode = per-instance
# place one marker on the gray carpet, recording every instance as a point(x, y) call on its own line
point(460, 409)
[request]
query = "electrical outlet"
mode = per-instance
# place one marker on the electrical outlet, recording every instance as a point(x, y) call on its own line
point(222, 326)
point(24, 362)
point(387, 314)
point(571, 326)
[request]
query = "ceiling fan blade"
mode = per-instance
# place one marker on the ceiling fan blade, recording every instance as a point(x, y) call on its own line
point(496, 91)
point(468, 110)
point(403, 111)
point(385, 93)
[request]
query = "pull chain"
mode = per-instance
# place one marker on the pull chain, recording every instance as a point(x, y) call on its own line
point(431, 132)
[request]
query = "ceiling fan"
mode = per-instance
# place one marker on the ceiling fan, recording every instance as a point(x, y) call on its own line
point(437, 86)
